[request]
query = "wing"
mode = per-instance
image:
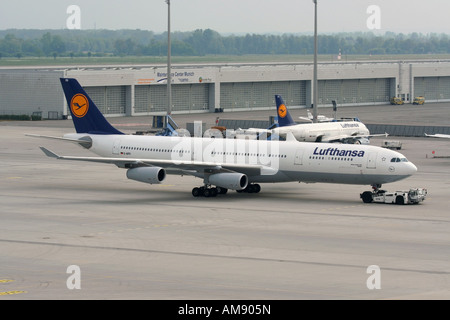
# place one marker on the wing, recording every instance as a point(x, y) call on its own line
point(353, 136)
point(438, 135)
point(173, 166)
point(306, 119)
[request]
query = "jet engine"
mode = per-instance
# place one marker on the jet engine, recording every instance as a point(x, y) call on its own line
point(150, 175)
point(234, 181)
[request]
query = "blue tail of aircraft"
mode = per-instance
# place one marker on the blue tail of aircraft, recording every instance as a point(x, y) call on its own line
point(284, 117)
point(86, 117)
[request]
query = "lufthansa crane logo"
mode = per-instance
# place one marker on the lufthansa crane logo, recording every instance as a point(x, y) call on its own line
point(79, 105)
point(282, 111)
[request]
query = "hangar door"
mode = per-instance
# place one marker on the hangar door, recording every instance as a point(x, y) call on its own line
point(432, 88)
point(185, 97)
point(248, 95)
point(351, 91)
point(110, 100)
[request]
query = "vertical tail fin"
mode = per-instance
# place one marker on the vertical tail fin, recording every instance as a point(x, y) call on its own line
point(86, 117)
point(284, 117)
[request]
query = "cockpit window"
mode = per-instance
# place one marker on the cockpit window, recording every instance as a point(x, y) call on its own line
point(399, 160)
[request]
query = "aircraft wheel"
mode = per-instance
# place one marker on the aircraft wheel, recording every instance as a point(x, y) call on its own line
point(399, 200)
point(221, 190)
point(253, 188)
point(196, 192)
point(367, 197)
point(250, 188)
point(207, 193)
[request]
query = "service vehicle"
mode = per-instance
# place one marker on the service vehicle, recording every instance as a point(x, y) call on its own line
point(412, 196)
point(419, 100)
point(392, 144)
point(396, 100)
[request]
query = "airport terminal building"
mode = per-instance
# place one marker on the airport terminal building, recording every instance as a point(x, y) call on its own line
point(142, 90)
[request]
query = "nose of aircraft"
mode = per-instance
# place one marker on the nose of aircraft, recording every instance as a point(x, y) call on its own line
point(411, 168)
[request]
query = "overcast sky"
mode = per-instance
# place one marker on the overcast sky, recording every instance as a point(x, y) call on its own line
point(231, 16)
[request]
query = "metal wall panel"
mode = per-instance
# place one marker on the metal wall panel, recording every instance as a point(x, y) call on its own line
point(185, 97)
point(25, 92)
point(142, 99)
point(432, 88)
point(396, 130)
point(116, 99)
point(198, 97)
point(109, 100)
point(158, 98)
point(353, 91)
point(249, 95)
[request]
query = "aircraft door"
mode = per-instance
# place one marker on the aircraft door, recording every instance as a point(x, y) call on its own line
point(372, 160)
point(116, 146)
point(298, 157)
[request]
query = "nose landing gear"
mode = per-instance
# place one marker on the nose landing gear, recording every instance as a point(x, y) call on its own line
point(367, 196)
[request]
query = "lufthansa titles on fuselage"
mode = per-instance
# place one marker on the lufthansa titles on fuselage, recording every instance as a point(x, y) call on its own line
point(338, 152)
point(349, 125)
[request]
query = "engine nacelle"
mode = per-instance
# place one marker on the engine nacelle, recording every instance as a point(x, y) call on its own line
point(152, 175)
point(234, 181)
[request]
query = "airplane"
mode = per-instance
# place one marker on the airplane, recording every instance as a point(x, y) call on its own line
point(438, 135)
point(224, 164)
point(347, 131)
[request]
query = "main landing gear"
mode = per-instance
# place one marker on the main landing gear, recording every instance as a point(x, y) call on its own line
point(251, 188)
point(208, 191)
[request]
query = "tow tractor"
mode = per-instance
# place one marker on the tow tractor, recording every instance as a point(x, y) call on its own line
point(412, 196)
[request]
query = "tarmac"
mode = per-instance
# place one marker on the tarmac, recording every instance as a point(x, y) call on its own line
point(291, 241)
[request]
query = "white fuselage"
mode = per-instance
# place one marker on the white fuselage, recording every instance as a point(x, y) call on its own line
point(278, 161)
point(325, 131)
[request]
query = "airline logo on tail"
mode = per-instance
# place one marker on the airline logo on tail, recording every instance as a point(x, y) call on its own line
point(79, 105)
point(284, 117)
point(282, 111)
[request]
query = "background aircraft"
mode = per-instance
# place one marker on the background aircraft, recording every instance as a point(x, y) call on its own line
point(347, 131)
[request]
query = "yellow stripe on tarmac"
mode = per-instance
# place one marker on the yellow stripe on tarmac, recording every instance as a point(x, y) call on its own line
point(6, 293)
point(5, 280)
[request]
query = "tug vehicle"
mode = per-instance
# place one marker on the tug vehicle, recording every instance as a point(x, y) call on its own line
point(412, 196)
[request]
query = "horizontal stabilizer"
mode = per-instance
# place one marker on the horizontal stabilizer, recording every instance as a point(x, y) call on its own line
point(85, 141)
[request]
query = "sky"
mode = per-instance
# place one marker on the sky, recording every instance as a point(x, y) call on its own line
point(232, 16)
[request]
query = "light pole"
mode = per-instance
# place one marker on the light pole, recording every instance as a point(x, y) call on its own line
point(315, 82)
point(169, 67)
